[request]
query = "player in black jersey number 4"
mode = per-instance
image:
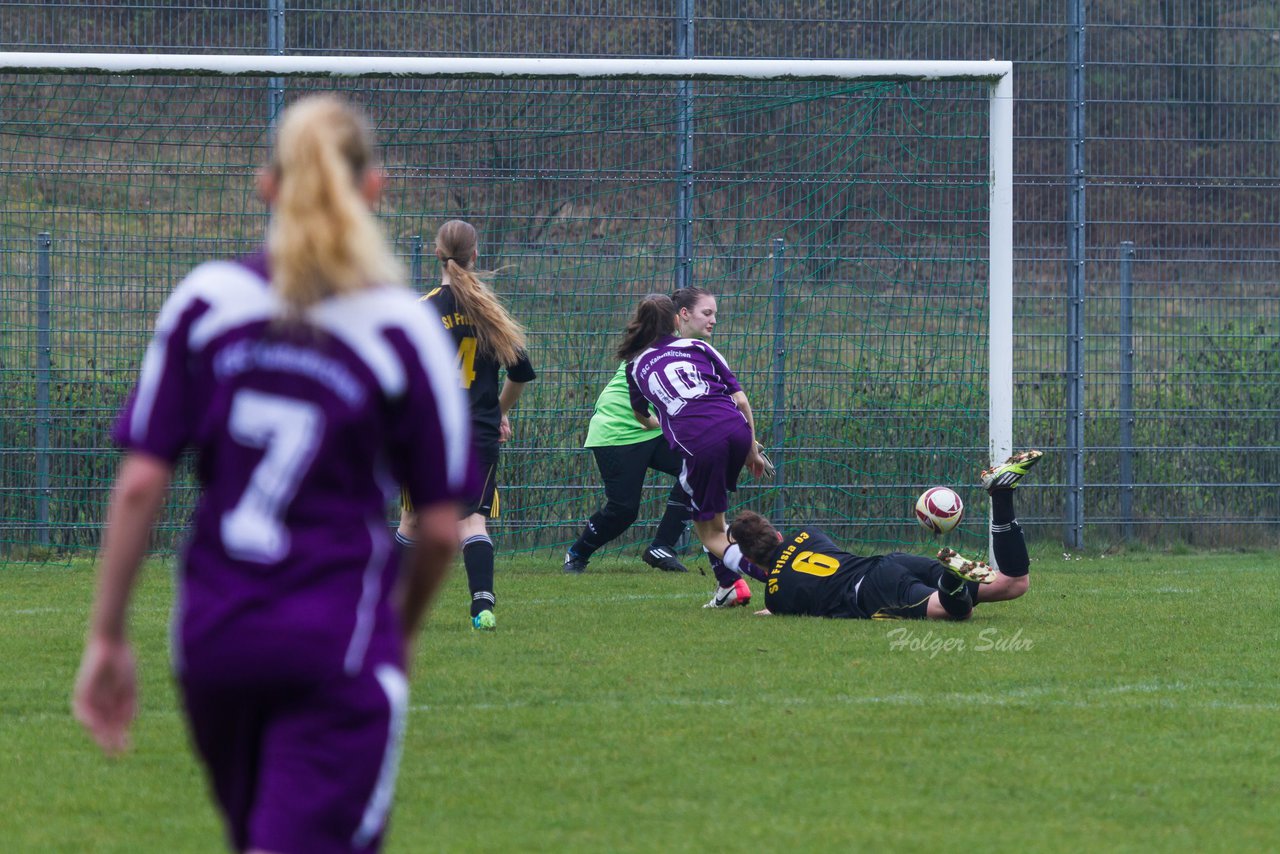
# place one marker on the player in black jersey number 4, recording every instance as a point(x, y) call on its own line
point(806, 573)
point(488, 341)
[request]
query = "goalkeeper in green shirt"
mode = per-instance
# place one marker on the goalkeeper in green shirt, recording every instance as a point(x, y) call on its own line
point(625, 451)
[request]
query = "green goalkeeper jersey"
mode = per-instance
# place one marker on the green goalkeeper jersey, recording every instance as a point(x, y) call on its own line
point(613, 422)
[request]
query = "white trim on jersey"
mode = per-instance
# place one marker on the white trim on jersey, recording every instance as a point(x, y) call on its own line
point(148, 387)
point(358, 320)
point(237, 295)
point(370, 592)
point(684, 483)
point(191, 288)
point(396, 687)
point(439, 358)
point(683, 343)
point(694, 343)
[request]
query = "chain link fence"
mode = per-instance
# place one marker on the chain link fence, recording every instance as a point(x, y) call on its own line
point(1147, 217)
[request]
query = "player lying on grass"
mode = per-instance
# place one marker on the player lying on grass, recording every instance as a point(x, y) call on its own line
point(806, 573)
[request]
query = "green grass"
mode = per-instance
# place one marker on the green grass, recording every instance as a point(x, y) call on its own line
point(1128, 703)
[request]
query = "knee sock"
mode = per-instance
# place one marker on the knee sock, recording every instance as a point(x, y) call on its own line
point(738, 562)
point(1010, 549)
point(675, 519)
point(1002, 506)
point(1008, 546)
point(953, 593)
point(586, 544)
point(477, 557)
point(725, 576)
point(403, 546)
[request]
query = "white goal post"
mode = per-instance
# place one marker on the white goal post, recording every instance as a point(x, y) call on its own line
point(997, 74)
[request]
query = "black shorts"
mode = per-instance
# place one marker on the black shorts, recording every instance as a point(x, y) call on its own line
point(623, 468)
point(486, 501)
point(899, 587)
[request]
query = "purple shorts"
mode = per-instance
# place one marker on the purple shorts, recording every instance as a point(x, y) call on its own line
point(711, 473)
point(302, 767)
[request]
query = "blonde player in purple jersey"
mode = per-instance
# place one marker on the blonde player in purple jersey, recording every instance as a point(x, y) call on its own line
point(705, 416)
point(310, 383)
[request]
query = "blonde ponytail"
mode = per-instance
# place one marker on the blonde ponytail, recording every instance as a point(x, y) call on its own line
point(323, 240)
point(497, 332)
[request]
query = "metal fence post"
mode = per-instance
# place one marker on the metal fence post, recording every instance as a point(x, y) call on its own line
point(1073, 533)
point(275, 45)
point(779, 379)
point(1126, 388)
point(44, 367)
point(415, 263)
point(684, 152)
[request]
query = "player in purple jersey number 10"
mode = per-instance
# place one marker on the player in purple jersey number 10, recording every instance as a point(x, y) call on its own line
point(624, 452)
point(294, 377)
point(705, 416)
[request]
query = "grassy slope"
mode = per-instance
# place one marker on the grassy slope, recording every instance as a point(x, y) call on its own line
point(1127, 704)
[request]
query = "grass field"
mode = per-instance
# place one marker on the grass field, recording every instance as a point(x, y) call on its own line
point(1127, 703)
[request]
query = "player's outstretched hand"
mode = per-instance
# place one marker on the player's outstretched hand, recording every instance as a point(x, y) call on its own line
point(758, 464)
point(105, 698)
point(768, 464)
point(764, 612)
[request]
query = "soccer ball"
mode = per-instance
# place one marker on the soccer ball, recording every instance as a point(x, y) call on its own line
point(939, 509)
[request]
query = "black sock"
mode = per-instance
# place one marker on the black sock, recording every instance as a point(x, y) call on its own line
point(1009, 548)
point(477, 557)
point(584, 545)
point(953, 593)
point(1001, 506)
point(403, 546)
point(674, 520)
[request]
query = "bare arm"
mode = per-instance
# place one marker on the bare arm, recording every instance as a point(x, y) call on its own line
point(755, 461)
point(511, 391)
point(648, 420)
point(744, 406)
point(105, 697)
point(426, 568)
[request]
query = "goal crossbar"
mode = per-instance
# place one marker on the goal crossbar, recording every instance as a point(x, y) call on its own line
point(273, 65)
point(997, 74)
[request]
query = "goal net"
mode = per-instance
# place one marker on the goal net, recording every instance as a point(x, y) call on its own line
point(851, 218)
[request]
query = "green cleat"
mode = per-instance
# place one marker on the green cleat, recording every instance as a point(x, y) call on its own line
point(484, 621)
point(969, 570)
point(1007, 474)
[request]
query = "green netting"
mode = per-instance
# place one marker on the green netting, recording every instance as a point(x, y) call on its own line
point(842, 225)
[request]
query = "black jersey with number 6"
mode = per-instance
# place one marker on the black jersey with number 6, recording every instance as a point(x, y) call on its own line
point(479, 371)
point(813, 576)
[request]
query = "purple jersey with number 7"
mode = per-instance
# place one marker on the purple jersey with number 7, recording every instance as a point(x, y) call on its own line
point(303, 433)
point(690, 386)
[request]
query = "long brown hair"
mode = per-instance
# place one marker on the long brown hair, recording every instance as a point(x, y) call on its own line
point(688, 297)
point(654, 317)
point(755, 535)
point(323, 240)
point(497, 332)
